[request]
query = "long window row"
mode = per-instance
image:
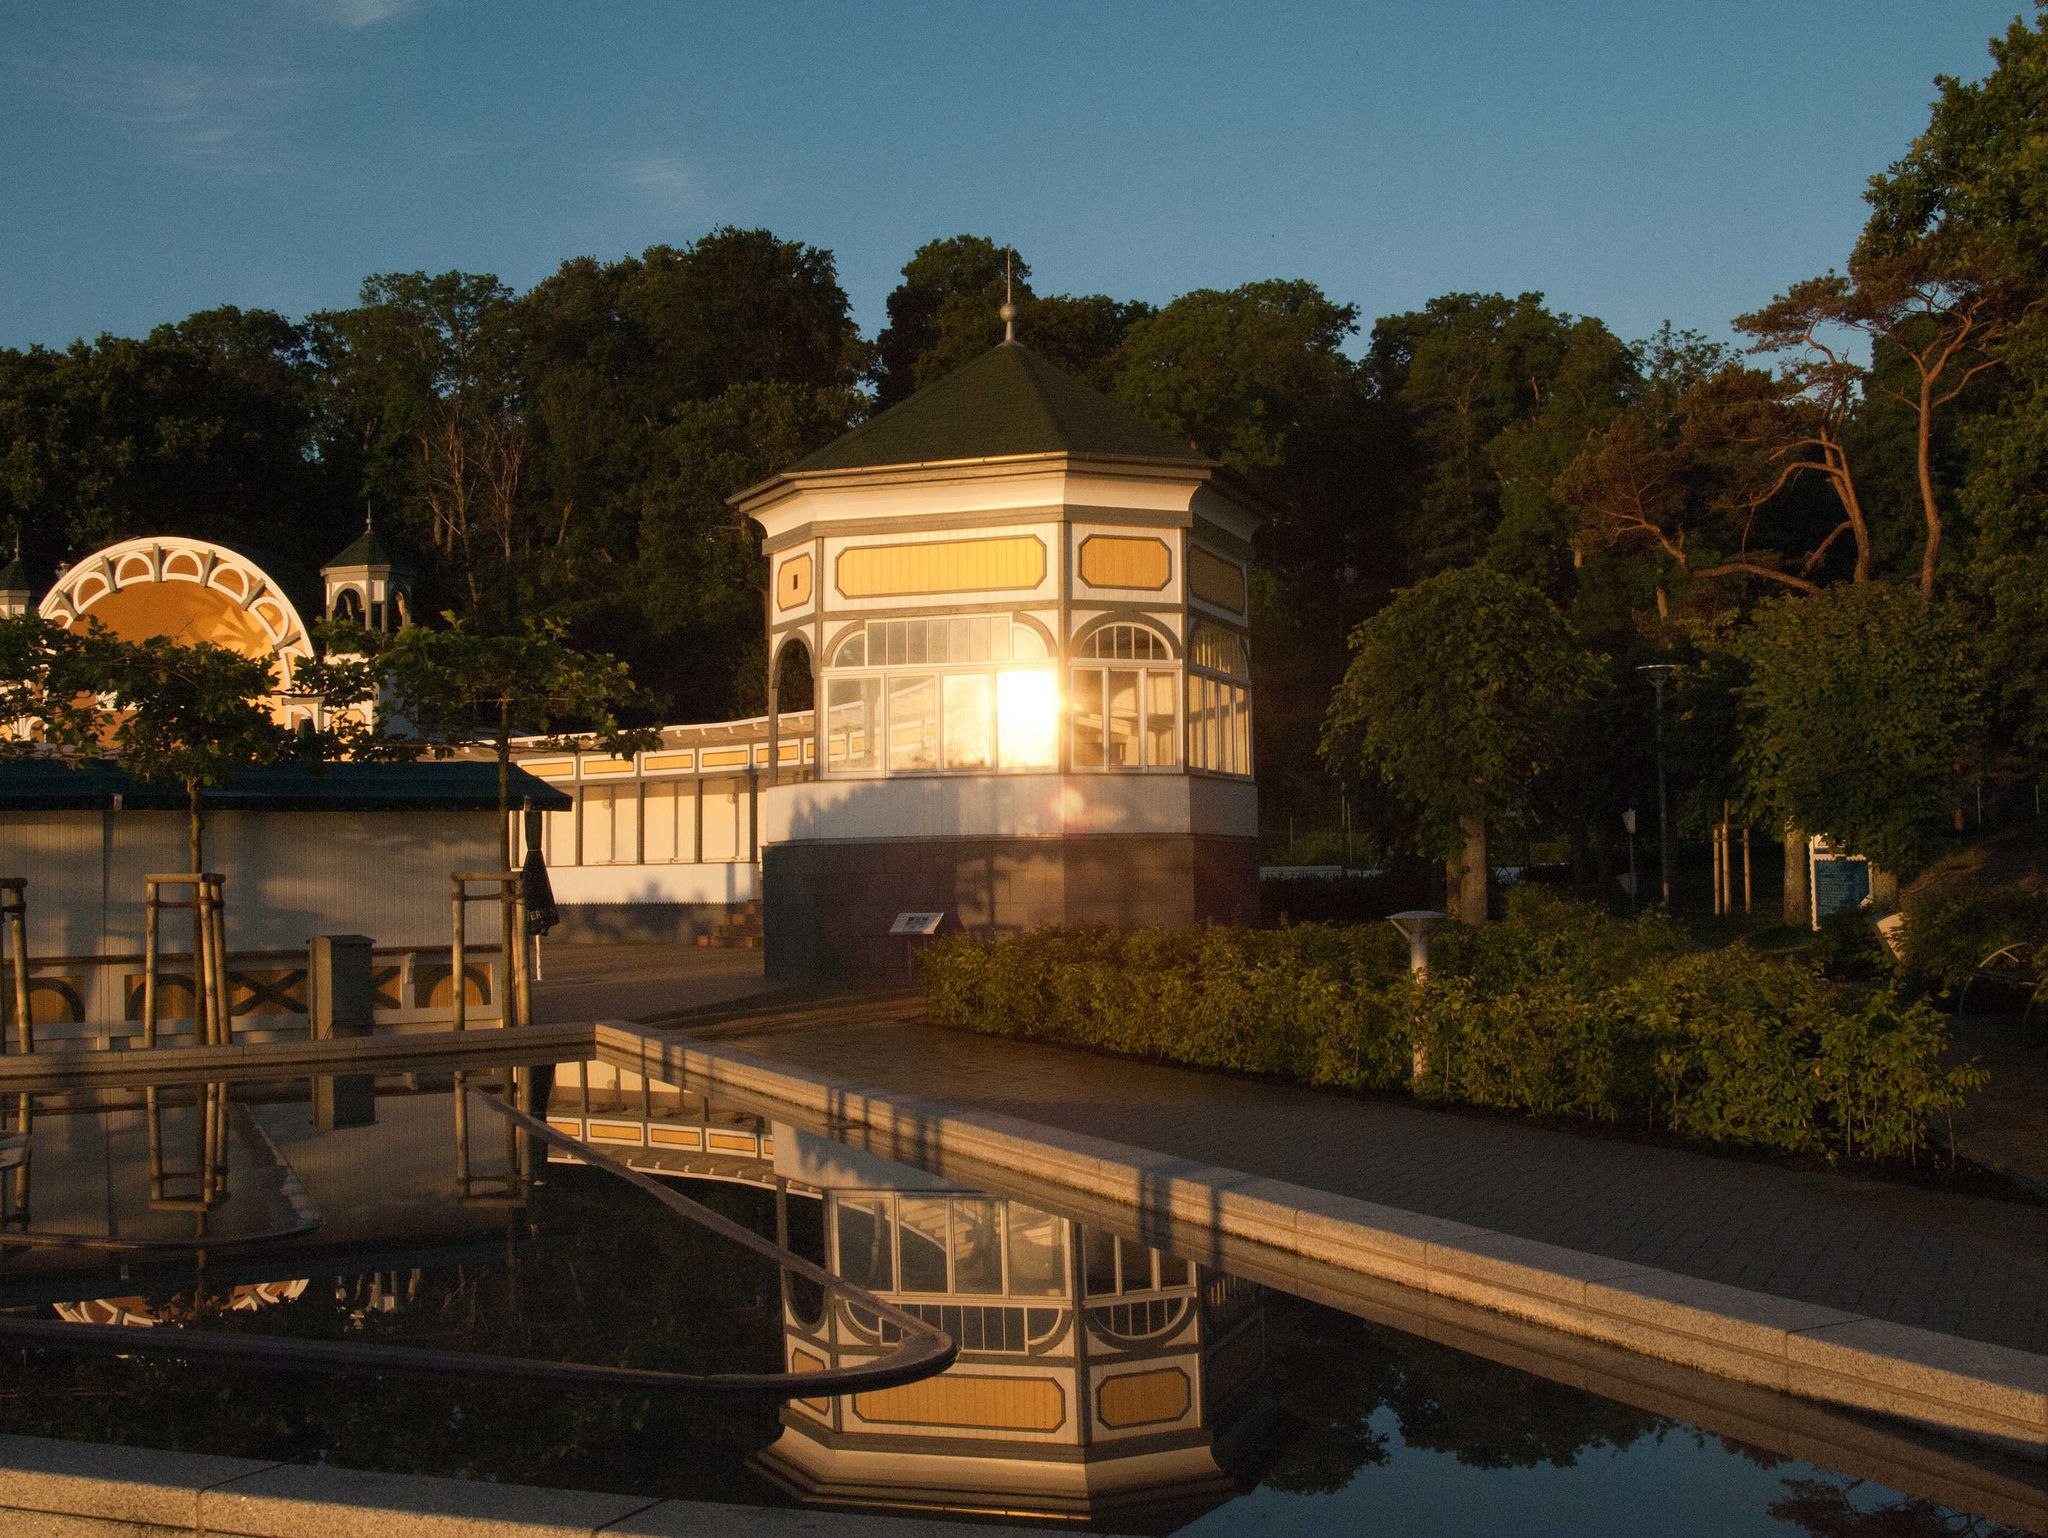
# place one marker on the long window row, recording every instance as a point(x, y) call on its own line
point(1126, 705)
point(652, 822)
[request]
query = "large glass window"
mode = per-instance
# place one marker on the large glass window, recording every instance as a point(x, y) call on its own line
point(908, 696)
point(970, 721)
point(1219, 703)
point(913, 722)
point(1125, 716)
point(1027, 718)
point(853, 721)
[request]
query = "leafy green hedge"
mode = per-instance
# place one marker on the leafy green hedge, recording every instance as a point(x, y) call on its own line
point(1952, 926)
point(1558, 1010)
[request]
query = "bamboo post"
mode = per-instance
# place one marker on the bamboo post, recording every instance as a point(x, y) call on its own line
point(25, 1124)
point(508, 953)
point(461, 1132)
point(151, 922)
point(459, 979)
point(153, 1113)
point(14, 913)
point(204, 1023)
point(522, 971)
point(224, 993)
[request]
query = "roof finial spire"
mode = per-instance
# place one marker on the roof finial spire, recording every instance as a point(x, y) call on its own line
point(1009, 309)
point(366, 515)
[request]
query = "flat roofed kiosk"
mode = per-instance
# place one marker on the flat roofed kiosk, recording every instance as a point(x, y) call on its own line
point(1025, 610)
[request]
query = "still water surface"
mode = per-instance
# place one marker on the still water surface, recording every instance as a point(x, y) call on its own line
point(1102, 1383)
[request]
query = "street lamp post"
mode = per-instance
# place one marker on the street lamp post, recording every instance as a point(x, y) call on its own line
point(1658, 673)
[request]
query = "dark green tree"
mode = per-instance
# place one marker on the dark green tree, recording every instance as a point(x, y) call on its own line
point(943, 312)
point(1454, 707)
point(1862, 707)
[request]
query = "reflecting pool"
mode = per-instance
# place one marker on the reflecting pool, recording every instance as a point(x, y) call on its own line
point(1102, 1381)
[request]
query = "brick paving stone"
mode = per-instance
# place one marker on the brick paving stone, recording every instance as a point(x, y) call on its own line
point(1973, 1265)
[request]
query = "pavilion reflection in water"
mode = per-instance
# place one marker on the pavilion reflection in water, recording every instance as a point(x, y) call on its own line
point(1097, 1376)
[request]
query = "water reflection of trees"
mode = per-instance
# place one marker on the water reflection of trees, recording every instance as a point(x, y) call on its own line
point(1332, 1376)
point(600, 1276)
point(1827, 1508)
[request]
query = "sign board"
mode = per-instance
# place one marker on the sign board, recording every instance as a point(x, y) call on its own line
point(1838, 881)
point(917, 923)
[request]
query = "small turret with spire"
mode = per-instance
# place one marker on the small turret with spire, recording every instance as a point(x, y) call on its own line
point(15, 594)
point(367, 584)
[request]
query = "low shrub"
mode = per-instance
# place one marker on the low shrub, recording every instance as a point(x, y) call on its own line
point(1558, 1010)
point(1951, 927)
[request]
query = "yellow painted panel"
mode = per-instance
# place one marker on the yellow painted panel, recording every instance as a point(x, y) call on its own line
point(596, 767)
point(1116, 560)
point(720, 758)
point(675, 1137)
point(968, 1402)
point(942, 566)
point(614, 1132)
point(1143, 1398)
point(733, 1142)
point(550, 768)
point(793, 582)
point(680, 758)
point(801, 1360)
point(1215, 580)
point(568, 1124)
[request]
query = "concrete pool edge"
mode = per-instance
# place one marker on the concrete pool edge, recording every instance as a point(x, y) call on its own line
point(1987, 1393)
point(94, 1489)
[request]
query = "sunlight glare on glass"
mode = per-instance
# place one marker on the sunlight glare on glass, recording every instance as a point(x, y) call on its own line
point(1028, 717)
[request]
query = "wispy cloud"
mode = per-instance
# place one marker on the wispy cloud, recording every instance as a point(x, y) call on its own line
point(358, 13)
point(662, 180)
point(208, 116)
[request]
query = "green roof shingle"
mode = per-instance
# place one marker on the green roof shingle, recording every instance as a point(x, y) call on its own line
point(1007, 402)
point(367, 549)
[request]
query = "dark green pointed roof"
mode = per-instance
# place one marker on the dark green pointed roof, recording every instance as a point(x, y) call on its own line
point(14, 577)
point(1009, 401)
point(368, 549)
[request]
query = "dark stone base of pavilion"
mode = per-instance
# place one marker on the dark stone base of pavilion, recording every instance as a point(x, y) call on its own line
point(828, 906)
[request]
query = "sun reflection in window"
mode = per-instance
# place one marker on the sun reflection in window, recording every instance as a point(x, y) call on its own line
point(1027, 718)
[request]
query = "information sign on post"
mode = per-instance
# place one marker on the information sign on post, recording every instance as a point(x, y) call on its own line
point(1837, 881)
point(912, 927)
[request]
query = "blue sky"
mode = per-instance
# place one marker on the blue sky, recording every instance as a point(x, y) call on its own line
point(1631, 160)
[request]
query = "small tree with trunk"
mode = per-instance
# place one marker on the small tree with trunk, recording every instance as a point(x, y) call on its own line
point(457, 688)
point(176, 714)
point(1862, 705)
point(1455, 705)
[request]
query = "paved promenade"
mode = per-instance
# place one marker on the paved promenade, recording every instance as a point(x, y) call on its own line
point(1967, 1266)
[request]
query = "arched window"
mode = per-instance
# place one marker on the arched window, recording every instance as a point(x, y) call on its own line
point(1138, 643)
point(348, 605)
point(1219, 703)
point(1122, 696)
point(955, 693)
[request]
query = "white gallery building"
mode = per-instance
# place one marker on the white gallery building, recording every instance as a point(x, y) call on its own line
point(1025, 613)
